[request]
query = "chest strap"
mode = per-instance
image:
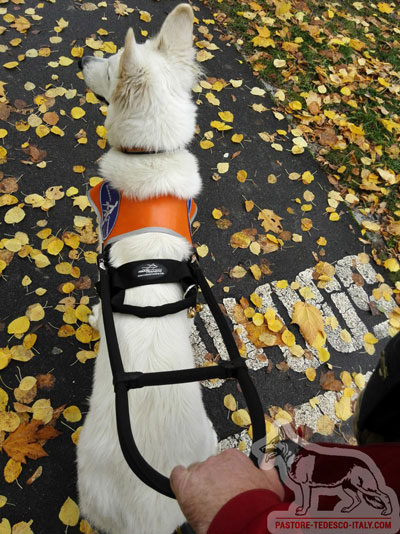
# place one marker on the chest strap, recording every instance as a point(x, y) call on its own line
point(149, 272)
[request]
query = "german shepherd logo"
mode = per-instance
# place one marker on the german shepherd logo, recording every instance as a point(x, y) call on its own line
point(355, 480)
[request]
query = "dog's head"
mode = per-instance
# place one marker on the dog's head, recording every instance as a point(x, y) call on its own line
point(148, 86)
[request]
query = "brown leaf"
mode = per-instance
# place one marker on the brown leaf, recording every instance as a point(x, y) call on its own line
point(271, 222)
point(358, 279)
point(51, 118)
point(327, 136)
point(6, 256)
point(328, 382)
point(23, 442)
point(84, 282)
point(45, 381)
point(4, 111)
point(282, 366)
point(9, 185)
point(35, 476)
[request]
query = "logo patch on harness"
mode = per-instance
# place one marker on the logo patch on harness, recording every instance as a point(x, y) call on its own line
point(110, 199)
point(150, 271)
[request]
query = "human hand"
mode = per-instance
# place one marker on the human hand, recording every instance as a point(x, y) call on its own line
point(203, 488)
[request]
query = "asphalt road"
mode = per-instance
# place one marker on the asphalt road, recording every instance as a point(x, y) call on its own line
point(42, 500)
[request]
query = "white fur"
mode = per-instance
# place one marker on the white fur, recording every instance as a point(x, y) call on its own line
point(169, 423)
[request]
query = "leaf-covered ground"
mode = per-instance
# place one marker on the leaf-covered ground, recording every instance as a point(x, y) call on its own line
point(296, 276)
point(335, 67)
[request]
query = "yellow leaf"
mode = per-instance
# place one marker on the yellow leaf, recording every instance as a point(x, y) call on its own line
point(82, 313)
point(55, 246)
point(282, 284)
point(288, 338)
point(42, 410)
point(42, 130)
point(205, 144)
point(69, 513)
point(310, 373)
point(249, 205)
point(223, 167)
point(78, 168)
point(370, 349)
point(64, 268)
point(22, 527)
point(283, 417)
point(325, 425)
point(77, 51)
point(95, 180)
point(65, 61)
point(343, 408)
point(109, 47)
point(345, 335)
point(84, 333)
point(35, 312)
point(310, 321)
point(258, 319)
point(41, 261)
point(385, 8)
point(345, 377)
point(307, 177)
point(19, 325)
point(237, 138)
point(370, 338)
point(230, 402)
point(66, 330)
point(279, 63)
point(9, 421)
point(323, 354)
point(10, 64)
point(3, 399)
point(90, 256)
point(220, 126)
point(256, 300)
point(241, 418)
point(12, 470)
point(226, 116)
point(77, 112)
point(359, 380)
point(256, 271)
point(75, 438)
point(14, 215)
point(392, 265)
point(241, 175)
point(68, 287)
point(202, 251)
point(216, 213)
point(72, 414)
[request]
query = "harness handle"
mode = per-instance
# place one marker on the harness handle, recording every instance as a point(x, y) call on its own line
point(123, 381)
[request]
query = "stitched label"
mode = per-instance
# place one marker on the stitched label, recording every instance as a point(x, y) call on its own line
point(109, 203)
point(150, 271)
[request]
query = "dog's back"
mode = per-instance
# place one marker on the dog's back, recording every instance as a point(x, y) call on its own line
point(148, 88)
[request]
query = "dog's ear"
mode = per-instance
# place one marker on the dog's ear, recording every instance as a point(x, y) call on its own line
point(127, 60)
point(177, 30)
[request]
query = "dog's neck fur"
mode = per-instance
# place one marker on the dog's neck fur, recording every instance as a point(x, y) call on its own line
point(148, 175)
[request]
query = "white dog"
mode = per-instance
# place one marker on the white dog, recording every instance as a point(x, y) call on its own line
point(148, 88)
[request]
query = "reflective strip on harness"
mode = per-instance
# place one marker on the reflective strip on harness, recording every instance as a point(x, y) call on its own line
point(120, 216)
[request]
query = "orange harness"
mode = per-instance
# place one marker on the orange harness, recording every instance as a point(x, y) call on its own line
point(120, 216)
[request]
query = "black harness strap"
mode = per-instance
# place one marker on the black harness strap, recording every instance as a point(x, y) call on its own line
point(140, 273)
point(123, 381)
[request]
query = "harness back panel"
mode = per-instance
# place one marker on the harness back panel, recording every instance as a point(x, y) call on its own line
point(121, 216)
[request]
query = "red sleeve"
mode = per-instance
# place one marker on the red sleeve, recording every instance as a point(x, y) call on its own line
point(247, 513)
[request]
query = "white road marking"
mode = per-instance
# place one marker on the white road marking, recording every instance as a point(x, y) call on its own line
point(342, 291)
